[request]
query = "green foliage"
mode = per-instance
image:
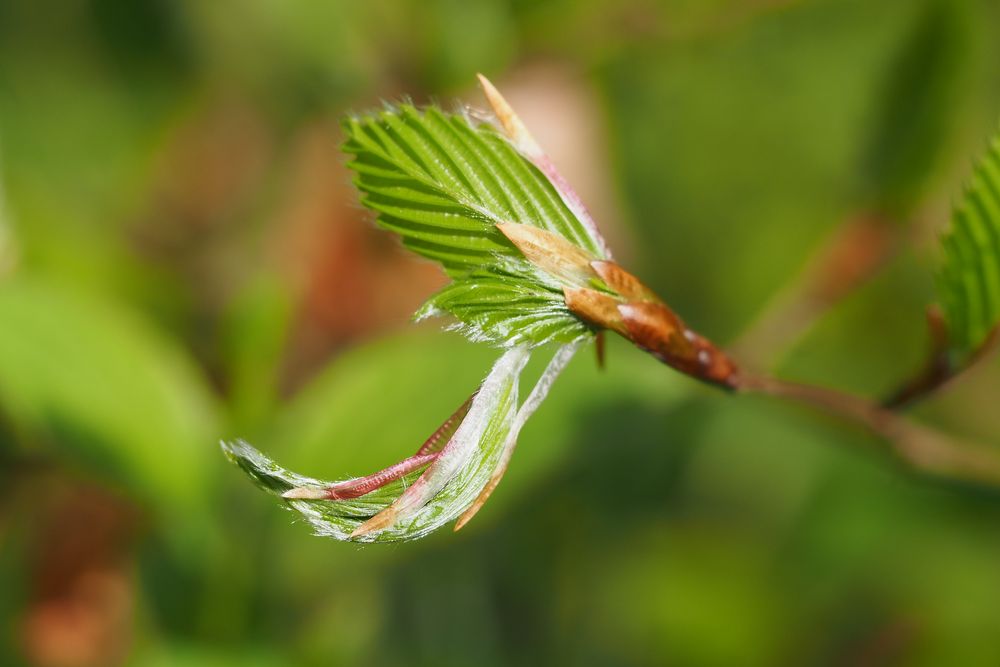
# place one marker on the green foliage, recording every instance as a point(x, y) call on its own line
point(504, 306)
point(639, 520)
point(969, 281)
point(339, 421)
point(336, 519)
point(84, 374)
point(439, 493)
point(443, 184)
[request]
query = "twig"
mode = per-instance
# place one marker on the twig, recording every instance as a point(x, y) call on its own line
point(939, 370)
point(919, 447)
point(936, 371)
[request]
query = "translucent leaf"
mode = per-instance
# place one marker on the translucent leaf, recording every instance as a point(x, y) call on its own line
point(499, 307)
point(969, 281)
point(444, 184)
point(422, 500)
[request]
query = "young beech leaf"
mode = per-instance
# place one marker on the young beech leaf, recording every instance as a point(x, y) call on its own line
point(449, 186)
point(969, 280)
point(528, 267)
point(455, 469)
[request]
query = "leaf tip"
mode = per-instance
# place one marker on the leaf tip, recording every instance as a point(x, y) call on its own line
point(464, 519)
point(380, 521)
point(481, 499)
point(512, 125)
point(236, 449)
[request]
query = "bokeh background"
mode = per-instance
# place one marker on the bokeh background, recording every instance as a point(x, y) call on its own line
point(184, 259)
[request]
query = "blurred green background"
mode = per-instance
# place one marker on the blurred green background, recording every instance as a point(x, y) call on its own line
point(183, 259)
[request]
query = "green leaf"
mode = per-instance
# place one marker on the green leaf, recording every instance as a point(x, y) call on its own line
point(420, 501)
point(500, 306)
point(969, 281)
point(340, 422)
point(443, 184)
point(84, 375)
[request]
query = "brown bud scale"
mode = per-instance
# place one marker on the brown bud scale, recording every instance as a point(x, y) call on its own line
point(641, 317)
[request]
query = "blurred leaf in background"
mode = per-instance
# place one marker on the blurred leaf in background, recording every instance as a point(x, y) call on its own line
point(90, 378)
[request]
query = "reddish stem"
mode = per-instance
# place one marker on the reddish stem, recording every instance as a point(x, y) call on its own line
point(354, 488)
point(939, 371)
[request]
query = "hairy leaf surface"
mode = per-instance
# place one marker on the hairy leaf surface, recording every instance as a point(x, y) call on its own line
point(443, 184)
point(424, 499)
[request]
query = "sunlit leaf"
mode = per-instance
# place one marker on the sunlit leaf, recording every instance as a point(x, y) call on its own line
point(422, 500)
point(444, 183)
point(492, 306)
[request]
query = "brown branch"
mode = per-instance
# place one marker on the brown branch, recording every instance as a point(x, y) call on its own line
point(653, 327)
point(936, 371)
point(919, 447)
point(626, 306)
point(854, 254)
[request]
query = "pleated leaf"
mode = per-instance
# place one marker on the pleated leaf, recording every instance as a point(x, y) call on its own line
point(969, 281)
point(443, 183)
point(497, 306)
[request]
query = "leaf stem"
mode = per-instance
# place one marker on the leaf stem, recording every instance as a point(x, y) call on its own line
point(939, 372)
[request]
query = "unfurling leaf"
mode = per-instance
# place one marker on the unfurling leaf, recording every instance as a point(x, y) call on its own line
point(446, 184)
point(527, 267)
point(449, 476)
point(527, 263)
point(969, 281)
